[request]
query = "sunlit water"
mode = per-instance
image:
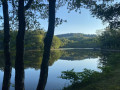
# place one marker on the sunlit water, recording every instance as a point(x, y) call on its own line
point(54, 82)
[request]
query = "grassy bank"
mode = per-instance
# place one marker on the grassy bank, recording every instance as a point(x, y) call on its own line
point(107, 83)
point(109, 79)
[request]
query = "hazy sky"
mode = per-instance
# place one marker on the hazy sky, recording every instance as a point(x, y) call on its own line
point(76, 22)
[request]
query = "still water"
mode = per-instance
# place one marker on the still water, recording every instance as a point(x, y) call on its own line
point(60, 60)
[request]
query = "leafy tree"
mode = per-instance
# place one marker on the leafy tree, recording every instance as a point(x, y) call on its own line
point(56, 42)
point(108, 12)
point(34, 40)
point(109, 39)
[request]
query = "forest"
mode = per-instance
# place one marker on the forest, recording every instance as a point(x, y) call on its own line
point(79, 40)
point(27, 50)
point(109, 39)
point(34, 40)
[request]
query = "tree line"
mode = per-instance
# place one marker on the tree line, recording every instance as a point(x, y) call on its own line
point(34, 40)
point(24, 15)
point(109, 39)
point(79, 40)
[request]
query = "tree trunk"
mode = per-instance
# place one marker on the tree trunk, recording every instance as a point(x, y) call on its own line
point(19, 77)
point(21, 32)
point(47, 45)
point(6, 31)
point(7, 68)
point(7, 74)
point(19, 64)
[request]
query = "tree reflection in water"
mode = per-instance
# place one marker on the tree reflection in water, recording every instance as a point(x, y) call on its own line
point(43, 73)
point(19, 74)
point(7, 70)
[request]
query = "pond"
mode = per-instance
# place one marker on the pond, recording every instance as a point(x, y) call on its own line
point(60, 60)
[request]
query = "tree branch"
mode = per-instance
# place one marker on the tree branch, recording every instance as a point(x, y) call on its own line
point(13, 4)
point(28, 4)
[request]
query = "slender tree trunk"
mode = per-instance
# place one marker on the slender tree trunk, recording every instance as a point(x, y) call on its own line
point(47, 44)
point(19, 77)
point(19, 64)
point(7, 68)
point(21, 31)
point(7, 74)
point(6, 31)
point(50, 33)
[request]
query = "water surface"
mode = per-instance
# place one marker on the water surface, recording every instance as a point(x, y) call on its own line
point(60, 60)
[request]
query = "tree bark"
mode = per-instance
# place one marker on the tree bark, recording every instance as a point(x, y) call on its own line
point(7, 73)
point(50, 33)
point(21, 31)
point(6, 31)
point(47, 45)
point(19, 64)
point(7, 68)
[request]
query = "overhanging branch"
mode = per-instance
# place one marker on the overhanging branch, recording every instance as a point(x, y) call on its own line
point(28, 4)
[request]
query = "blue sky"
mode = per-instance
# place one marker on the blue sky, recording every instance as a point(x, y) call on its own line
point(76, 22)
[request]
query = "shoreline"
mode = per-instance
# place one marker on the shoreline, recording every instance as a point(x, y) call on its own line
point(99, 49)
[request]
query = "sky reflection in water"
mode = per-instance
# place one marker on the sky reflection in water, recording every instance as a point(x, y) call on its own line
point(55, 69)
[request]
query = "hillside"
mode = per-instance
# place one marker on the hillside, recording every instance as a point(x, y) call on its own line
point(78, 40)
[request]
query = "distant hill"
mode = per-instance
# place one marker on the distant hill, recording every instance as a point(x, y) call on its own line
point(71, 35)
point(78, 40)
